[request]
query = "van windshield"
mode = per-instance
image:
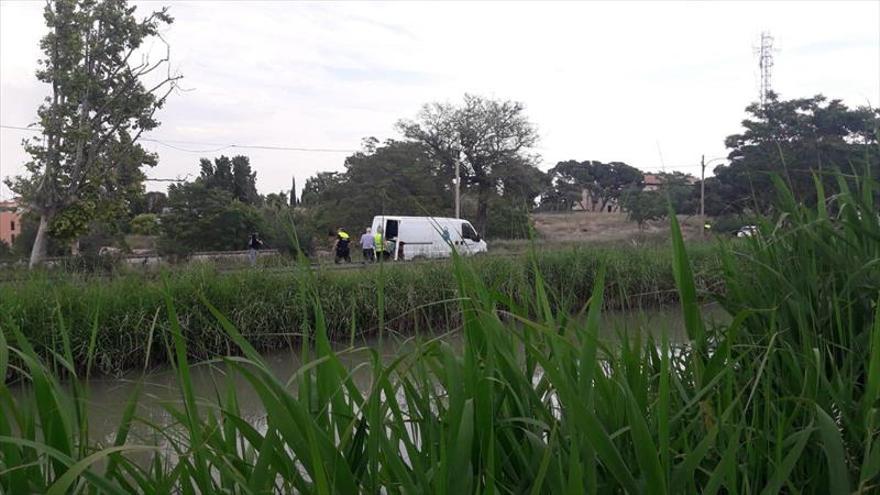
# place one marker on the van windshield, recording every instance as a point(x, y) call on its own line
point(468, 232)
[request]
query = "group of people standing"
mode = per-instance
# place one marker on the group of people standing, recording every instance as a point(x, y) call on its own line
point(374, 246)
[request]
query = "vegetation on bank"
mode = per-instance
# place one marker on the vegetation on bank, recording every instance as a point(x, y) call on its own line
point(271, 306)
point(784, 398)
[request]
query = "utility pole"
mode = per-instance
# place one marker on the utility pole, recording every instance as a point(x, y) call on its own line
point(703, 194)
point(457, 189)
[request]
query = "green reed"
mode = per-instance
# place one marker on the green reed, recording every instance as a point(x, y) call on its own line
point(784, 398)
point(271, 307)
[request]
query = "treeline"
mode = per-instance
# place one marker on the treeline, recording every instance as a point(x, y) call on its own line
point(489, 142)
point(799, 141)
point(215, 212)
point(83, 182)
point(501, 184)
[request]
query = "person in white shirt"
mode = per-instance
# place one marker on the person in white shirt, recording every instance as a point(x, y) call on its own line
point(368, 246)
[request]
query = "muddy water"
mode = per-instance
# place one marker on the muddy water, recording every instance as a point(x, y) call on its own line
point(107, 397)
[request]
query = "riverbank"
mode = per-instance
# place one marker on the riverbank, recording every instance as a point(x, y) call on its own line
point(126, 316)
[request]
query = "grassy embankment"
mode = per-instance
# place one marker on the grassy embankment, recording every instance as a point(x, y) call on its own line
point(786, 398)
point(272, 307)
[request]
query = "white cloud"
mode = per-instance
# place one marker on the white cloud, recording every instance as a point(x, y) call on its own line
point(604, 81)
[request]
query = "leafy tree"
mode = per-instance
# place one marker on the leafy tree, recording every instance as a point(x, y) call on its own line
point(398, 177)
point(145, 224)
point(287, 229)
point(24, 241)
point(482, 137)
point(793, 139)
point(318, 188)
point(519, 185)
point(642, 206)
point(232, 175)
point(244, 181)
point(521, 182)
point(508, 219)
point(216, 175)
point(99, 235)
point(604, 183)
point(552, 199)
point(202, 218)
point(100, 104)
point(277, 201)
point(403, 178)
point(681, 190)
point(151, 202)
point(610, 180)
point(567, 180)
point(6, 252)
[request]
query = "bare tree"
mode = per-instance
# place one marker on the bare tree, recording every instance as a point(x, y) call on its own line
point(481, 136)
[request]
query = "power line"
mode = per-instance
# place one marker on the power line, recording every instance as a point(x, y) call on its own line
point(219, 146)
point(31, 129)
point(185, 150)
point(184, 179)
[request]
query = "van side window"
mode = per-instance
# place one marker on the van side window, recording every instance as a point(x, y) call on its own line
point(468, 232)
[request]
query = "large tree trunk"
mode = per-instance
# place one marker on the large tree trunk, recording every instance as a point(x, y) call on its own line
point(41, 243)
point(482, 220)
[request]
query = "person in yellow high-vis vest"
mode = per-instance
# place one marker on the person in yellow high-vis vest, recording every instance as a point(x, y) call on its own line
point(379, 244)
point(342, 248)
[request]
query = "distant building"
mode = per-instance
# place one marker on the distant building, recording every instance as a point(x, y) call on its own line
point(10, 221)
point(652, 182)
point(595, 204)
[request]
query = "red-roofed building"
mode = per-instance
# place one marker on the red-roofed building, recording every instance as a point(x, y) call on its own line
point(655, 181)
point(10, 221)
point(652, 182)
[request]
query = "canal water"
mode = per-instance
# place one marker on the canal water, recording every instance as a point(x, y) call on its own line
point(107, 397)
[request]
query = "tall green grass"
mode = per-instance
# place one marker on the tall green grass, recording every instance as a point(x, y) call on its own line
point(533, 402)
point(271, 307)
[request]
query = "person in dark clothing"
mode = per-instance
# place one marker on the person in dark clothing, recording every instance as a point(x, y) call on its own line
point(254, 244)
point(342, 246)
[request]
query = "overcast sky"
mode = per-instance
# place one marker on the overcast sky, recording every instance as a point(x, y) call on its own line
point(653, 84)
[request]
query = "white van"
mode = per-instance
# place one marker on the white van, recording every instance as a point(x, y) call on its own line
point(428, 237)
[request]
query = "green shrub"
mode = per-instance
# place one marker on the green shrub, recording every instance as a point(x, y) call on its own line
point(643, 206)
point(145, 224)
point(6, 252)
